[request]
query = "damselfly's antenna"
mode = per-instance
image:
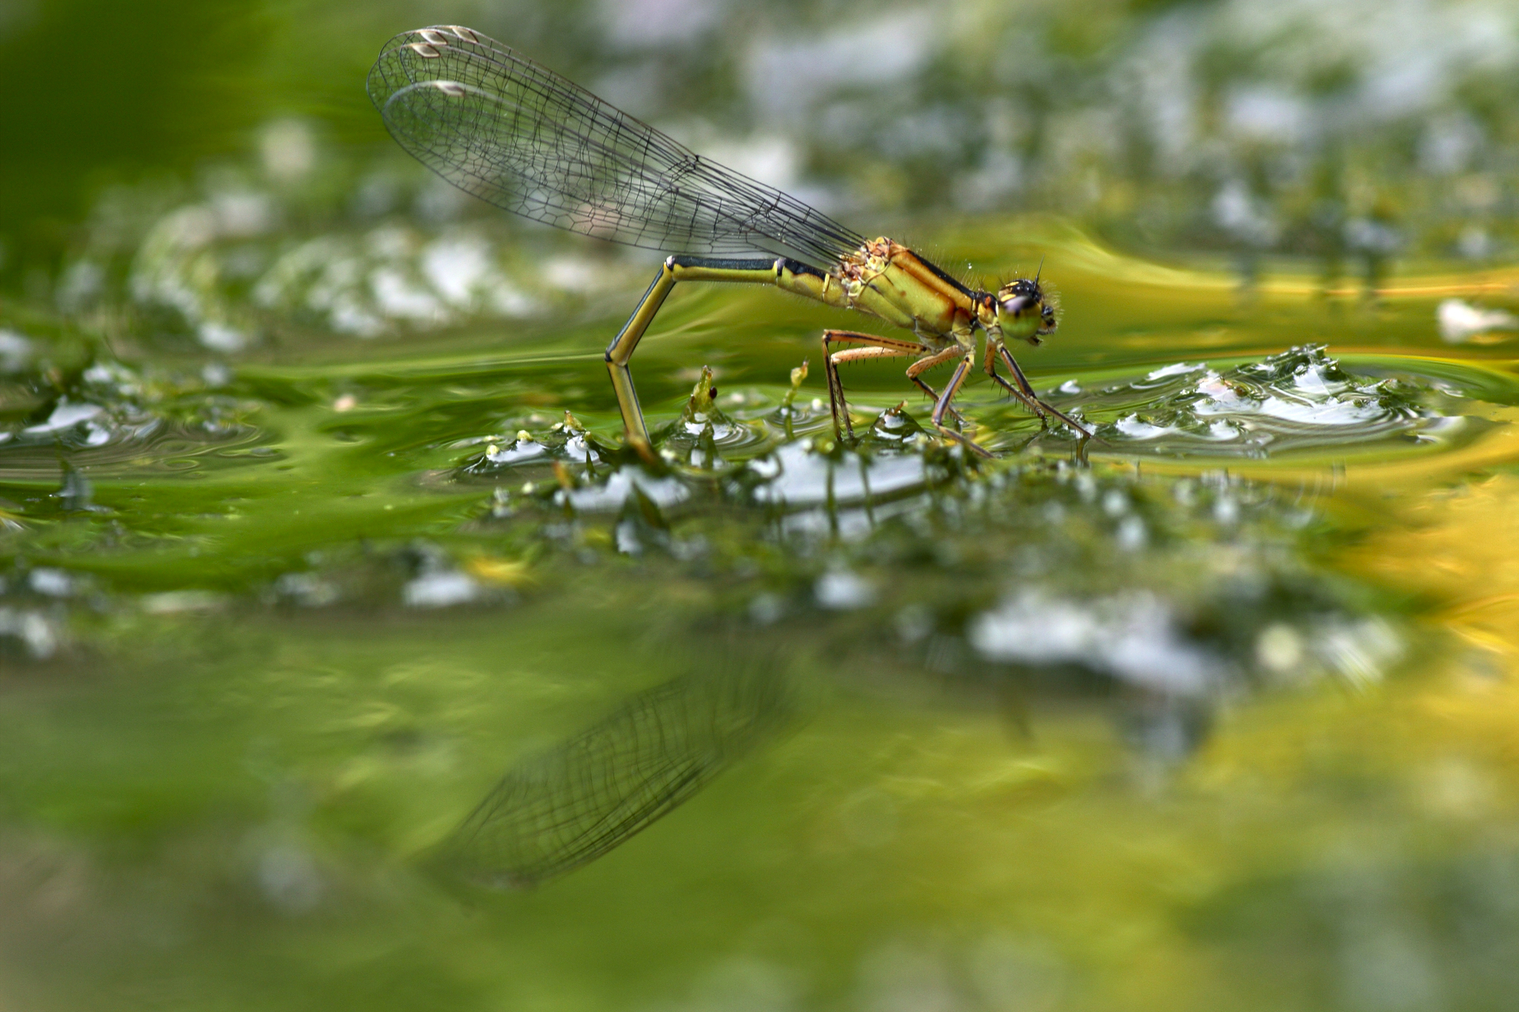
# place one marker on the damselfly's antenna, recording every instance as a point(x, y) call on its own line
point(1039, 271)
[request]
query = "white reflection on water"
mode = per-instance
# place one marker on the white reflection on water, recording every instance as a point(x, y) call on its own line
point(1132, 637)
point(807, 478)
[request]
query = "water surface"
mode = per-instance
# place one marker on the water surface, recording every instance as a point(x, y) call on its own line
point(1224, 696)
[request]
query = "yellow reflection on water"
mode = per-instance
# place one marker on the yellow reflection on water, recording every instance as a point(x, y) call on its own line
point(1461, 545)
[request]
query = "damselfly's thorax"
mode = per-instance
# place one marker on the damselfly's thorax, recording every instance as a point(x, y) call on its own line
point(886, 279)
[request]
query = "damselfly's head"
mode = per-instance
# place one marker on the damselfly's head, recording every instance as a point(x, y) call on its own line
point(1022, 311)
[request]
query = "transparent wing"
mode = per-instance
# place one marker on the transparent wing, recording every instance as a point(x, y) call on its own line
point(516, 134)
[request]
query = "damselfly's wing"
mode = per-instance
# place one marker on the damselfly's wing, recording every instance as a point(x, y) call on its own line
point(518, 135)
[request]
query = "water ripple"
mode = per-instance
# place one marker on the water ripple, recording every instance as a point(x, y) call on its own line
point(1296, 401)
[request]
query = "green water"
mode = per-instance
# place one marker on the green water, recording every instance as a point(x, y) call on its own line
point(347, 661)
point(274, 635)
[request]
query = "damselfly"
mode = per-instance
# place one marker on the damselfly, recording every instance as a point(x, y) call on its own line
point(501, 127)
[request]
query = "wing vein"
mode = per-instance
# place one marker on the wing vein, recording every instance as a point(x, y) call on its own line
point(519, 136)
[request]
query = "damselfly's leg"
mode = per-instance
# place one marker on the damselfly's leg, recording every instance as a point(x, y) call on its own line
point(991, 370)
point(942, 406)
point(922, 365)
point(878, 347)
point(620, 351)
point(1024, 391)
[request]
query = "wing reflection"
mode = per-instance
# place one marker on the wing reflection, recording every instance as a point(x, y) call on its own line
point(569, 805)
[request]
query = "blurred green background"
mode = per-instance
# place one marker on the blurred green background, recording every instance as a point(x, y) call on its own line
point(1332, 130)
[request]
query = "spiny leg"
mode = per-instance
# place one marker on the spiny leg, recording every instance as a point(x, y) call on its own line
point(922, 365)
point(620, 352)
point(990, 365)
point(942, 406)
point(1024, 391)
point(914, 371)
point(879, 347)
